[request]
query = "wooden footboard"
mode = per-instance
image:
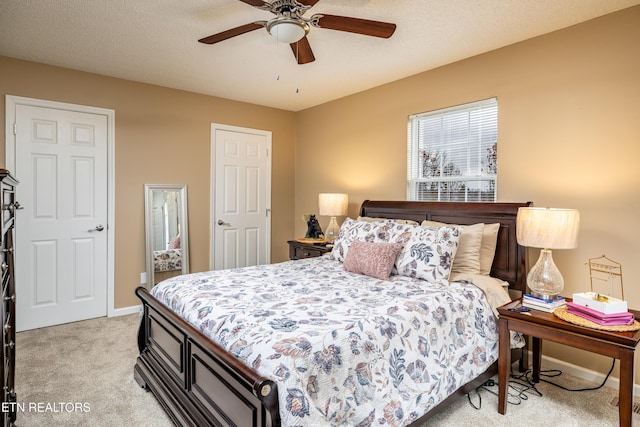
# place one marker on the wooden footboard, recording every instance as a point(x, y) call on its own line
point(198, 382)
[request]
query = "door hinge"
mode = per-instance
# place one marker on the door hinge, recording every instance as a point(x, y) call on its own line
point(15, 128)
point(267, 212)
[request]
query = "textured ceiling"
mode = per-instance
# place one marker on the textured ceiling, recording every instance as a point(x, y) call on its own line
point(155, 41)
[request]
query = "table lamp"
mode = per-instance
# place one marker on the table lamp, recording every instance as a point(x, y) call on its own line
point(547, 228)
point(332, 204)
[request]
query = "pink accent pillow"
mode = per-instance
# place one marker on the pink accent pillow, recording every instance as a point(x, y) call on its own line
point(372, 259)
point(174, 243)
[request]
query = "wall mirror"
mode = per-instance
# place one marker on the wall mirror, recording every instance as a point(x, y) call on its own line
point(166, 230)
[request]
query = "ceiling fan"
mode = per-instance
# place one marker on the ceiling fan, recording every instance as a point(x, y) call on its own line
point(289, 26)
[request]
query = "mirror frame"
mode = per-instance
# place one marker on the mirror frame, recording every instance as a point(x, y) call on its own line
point(149, 189)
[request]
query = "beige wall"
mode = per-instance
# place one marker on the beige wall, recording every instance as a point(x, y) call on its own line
point(162, 136)
point(569, 136)
point(569, 120)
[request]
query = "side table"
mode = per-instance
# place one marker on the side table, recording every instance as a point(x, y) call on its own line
point(541, 325)
point(300, 250)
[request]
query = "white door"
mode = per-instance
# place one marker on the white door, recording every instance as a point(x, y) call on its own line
point(241, 174)
point(61, 237)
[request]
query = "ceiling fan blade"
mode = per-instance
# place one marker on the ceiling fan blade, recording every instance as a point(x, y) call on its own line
point(302, 51)
point(354, 25)
point(232, 32)
point(256, 3)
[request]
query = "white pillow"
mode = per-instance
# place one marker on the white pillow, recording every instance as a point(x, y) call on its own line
point(488, 248)
point(467, 258)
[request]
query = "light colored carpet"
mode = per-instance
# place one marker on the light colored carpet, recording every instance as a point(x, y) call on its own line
point(83, 362)
point(81, 374)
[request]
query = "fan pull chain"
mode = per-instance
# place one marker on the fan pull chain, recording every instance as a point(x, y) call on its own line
point(277, 76)
point(297, 60)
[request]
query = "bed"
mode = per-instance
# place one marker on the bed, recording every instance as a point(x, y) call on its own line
point(204, 382)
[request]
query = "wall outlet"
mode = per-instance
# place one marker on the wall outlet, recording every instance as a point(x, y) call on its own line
point(143, 278)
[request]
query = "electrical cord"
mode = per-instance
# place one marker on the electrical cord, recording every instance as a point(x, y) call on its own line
point(526, 376)
point(516, 393)
point(521, 385)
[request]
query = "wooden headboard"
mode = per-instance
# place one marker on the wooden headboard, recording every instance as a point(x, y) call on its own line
point(509, 261)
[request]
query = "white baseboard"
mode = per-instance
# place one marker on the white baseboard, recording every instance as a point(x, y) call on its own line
point(134, 309)
point(584, 373)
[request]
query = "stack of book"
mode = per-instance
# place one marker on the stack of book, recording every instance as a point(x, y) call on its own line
point(543, 304)
point(595, 316)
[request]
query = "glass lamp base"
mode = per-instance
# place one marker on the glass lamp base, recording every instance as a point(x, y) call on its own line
point(543, 296)
point(332, 230)
point(544, 279)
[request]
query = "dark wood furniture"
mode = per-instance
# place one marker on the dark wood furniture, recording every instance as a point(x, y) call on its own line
point(541, 325)
point(8, 306)
point(300, 250)
point(200, 384)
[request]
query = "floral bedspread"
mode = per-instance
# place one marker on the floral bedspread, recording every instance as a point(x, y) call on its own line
point(345, 349)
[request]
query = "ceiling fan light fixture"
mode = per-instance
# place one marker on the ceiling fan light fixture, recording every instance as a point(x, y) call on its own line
point(287, 30)
point(289, 26)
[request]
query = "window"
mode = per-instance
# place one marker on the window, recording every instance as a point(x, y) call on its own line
point(452, 153)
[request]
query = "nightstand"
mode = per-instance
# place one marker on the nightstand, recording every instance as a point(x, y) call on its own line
point(299, 250)
point(541, 325)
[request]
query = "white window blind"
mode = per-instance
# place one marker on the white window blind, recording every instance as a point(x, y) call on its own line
point(452, 153)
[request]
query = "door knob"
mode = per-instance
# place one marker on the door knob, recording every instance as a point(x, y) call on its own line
point(15, 206)
point(221, 222)
point(99, 227)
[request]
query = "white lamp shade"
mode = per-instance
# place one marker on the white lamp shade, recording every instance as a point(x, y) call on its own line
point(287, 30)
point(333, 204)
point(548, 228)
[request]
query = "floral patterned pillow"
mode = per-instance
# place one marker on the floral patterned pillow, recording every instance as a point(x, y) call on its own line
point(372, 259)
point(427, 252)
point(467, 258)
point(365, 231)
